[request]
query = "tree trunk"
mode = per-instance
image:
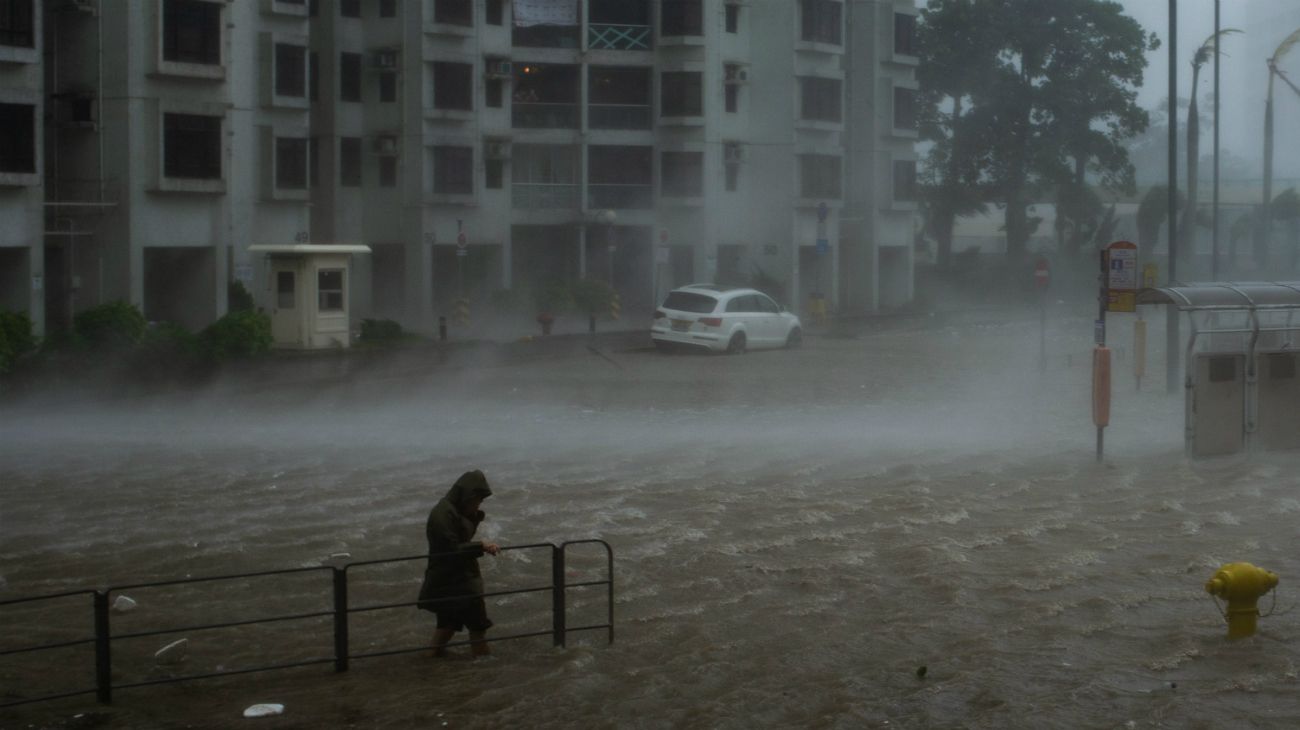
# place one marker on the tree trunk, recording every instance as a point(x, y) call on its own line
point(1187, 239)
point(942, 230)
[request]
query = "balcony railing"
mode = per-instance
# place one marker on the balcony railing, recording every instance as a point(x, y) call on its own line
point(533, 115)
point(604, 37)
point(618, 116)
point(620, 195)
point(534, 196)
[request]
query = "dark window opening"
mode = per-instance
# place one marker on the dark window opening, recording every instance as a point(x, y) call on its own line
point(388, 8)
point(291, 163)
point(453, 86)
point(496, 172)
point(387, 172)
point(494, 13)
point(453, 170)
point(350, 8)
point(904, 34)
point(192, 146)
point(313, 75)
point(494, 93)
point(819, 99)
point(821, 21)
point(18, 138)
point(313, 161)
point(619, 12)
point(904, 108)
point(682, 17)
point(329, 289)
point(350, 162)
point(17, 23)
point(284, 286)
point(819, 176)
point(350, 76)
point(290, 70)
point(1281, 366)
point(905, 180)
point(619, 97)
point(681, 94)
point(388, 87)
point(1223, 369)
point(192, 31)
point(732, 19)
point(732, 172)
point(453, 12)
point(683, 174)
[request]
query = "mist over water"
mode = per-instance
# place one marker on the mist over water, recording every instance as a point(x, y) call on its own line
point(795, 534)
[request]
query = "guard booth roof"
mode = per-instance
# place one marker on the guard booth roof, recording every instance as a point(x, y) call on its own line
point(1226, 296)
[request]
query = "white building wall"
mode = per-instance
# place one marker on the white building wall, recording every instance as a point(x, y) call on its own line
point(22, 265)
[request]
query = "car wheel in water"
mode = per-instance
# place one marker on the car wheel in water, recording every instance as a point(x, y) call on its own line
point(736, 345)
point(794, 339)
point(662, 346)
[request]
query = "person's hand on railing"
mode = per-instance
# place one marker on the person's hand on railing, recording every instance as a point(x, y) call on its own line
point(491, 548)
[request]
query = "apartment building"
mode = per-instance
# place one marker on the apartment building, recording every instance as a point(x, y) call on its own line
point(474, 145)
point(21, 110)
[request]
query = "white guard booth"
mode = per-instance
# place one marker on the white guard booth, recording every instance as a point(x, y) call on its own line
point(307, 293)
point(1241, 387)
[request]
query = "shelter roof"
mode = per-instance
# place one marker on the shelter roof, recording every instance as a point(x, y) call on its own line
point(1226, 295)
point(309, 248)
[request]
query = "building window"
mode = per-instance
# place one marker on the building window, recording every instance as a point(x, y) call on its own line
point(682, 174)
point(819, 99)
point(388, 8)
point(192, 31)
point(453, 12)
point(904, 108)
point(350, 76)
point(682, 17)
point(732, 173)
point(192, 146)
point(905, 180)
point(284, 294)
point(681, 94)
point(453, 170)
point(290, 163)
point(493, 92)
point(290, 70)
point(731, 97)
point(496, 173)
point(732, 18)
point(350, 8)
point(329, 290)
point(819, 176)
point(313, 75)
point(350, 162)
point(388, 172)
point(904, 34)
point(821, 21)
point(18, 138)
point(17, 26)
point(388, 86)
point(494, 13)
point(453, 86)
point(313, 161)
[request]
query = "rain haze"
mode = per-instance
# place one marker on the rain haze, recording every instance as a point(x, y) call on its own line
point(676, 276)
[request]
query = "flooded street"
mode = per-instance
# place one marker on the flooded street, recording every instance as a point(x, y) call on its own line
point(795, 535)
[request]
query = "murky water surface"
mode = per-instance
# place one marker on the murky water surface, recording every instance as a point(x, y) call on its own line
point(795, 535)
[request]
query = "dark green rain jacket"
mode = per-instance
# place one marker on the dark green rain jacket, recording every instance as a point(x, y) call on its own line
point(449, 530)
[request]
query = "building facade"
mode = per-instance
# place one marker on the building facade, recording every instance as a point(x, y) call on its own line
point(477, 146)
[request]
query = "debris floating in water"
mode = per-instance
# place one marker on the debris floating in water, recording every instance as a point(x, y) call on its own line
point(920, 672)
point(173, 653)
point(265, 709)
point(124, 604)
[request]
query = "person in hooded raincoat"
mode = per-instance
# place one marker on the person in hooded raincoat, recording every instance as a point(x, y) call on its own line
point(452, 583)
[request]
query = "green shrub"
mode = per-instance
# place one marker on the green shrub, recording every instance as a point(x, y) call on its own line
point(374, 330)
point(238, 334)
point(592, 296)
point(111, 326)
point(16, 332)
point(167, 349)
point(238, 298)
point(552, 298)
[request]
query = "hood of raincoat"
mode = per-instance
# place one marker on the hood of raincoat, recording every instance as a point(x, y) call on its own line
point(470, 486)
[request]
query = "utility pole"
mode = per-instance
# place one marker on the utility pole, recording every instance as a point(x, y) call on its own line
point(1214, 247)
point(1171, 313)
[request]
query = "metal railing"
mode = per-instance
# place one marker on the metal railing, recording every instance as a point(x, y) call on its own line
point(543, 115)
point(620, 195)
point(607, 36)
point(543, 195)
point(618, 116)
point(340, 611)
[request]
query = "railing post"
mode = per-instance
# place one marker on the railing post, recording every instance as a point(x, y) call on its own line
point(557, 595)
point(103, 649)
point(340, 619)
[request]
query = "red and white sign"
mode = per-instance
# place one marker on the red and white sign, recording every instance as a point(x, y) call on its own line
point(461, 241)
point(1042, 274)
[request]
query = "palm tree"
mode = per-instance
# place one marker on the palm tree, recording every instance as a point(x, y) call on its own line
point(1187, 242)
point(1152, 212)
point(1265, 223)
point(1286, 207)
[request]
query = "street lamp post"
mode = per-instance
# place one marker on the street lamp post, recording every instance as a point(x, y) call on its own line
point(608, 217)
point(1171, 321)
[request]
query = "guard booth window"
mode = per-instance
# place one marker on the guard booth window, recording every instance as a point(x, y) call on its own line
point(329, 285)
point(1223, 369)
point(284, 289)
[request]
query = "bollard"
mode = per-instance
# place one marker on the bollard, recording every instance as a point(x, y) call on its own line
point(1139, 351)
point(1100, 393)
point(340, 619)
point(103, 651)
point(1241, 585)
point(442, 329)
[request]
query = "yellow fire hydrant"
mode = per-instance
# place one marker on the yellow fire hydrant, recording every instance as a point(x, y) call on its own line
point(1241, 585)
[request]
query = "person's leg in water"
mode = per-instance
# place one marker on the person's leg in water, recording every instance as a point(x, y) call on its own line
point(478, 643)
point(440, 639)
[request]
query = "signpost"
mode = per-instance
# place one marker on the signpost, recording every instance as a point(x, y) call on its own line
point(1117, 292)
point(1042, 277)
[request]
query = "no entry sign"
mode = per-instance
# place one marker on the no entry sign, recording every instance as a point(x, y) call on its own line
point(1042, 274)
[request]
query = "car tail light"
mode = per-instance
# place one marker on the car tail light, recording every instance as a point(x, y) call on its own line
point(659, 314)
point(711, 321)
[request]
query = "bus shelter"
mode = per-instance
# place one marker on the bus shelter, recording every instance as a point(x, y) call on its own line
point(1240, 387)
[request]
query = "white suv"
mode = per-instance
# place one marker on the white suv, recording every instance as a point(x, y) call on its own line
point(723, 319)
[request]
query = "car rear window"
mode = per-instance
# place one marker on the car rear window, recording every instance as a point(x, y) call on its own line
point(684, 301)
